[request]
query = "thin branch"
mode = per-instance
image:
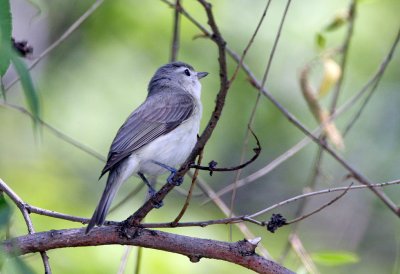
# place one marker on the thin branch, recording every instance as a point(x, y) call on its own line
point(223, 221)
point(316, 170)
point(265, 76)
point(305, 141)
point(62, 38)
point(272, 53)
point(357, 175)
point(353, 120)
point(372, 91)
point(324, 191)
point(345, 51)
point(188, 16)
point(124, 260)
point(242, 155)
point(375, 77)
point(240, 253)
point(189, 196)
point(250, 217)
point(208, 191)
point(240, 63)
point(175, 35)
point(25, 213)
point(54, 214)
point(263, 171)
point(212, 167)
point(57, 132)
point(300, 218)
point(302, 253)
point(138, 259)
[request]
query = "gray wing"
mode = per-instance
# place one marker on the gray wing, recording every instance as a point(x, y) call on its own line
point(157, 116)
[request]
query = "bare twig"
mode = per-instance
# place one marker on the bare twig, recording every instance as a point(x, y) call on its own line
point(138, 264)
point(373, 88)
point(265, 76)
point(302, 253)
point(223, 221)
point(345, 51)
point(57, 132)
point(324, 191)
point(305, 141)
point(54, 214)
point(175, 35)
point(303, 203)
point(357, 175)
point(189, 196)
point(208, 190)
point(375, 77)
point(124, 260)
point(250, 217)
point(240, 253)
point(63, 37)
point(321, 208)
point(242, 155)
point(211, 168)
point(239, 65)
point(272, 53)
point(263, 171)
point(25, 213)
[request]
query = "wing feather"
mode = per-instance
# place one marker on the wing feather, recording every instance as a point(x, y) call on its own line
point(158, 115)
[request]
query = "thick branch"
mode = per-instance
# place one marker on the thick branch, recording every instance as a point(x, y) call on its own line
point(241, 253)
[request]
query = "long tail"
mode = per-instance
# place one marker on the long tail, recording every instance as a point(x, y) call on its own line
point(114, 181)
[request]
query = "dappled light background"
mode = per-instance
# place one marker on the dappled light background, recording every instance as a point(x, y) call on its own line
point(91, 82)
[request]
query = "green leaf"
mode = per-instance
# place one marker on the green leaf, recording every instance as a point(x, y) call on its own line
point(31, 94)
point(5, 36)
point(320, 40)
point(335, 258)
point(5, 211)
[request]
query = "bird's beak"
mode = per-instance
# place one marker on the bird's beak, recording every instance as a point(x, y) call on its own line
point(202, 74)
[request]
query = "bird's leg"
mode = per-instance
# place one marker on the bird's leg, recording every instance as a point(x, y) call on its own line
point(151, 190)
point(171, 176)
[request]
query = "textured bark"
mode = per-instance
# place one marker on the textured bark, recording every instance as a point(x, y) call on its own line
point(241, 252)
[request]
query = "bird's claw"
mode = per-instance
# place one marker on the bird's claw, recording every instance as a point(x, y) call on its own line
point(173, 181)
point(155, 204)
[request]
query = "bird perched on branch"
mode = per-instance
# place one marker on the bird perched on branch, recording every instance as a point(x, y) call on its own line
point(158, 136)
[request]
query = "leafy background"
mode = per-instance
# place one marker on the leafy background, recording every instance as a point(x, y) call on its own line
point(91, 82)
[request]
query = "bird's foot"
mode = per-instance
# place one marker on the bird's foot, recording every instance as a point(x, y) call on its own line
point(155, 204)
point(173, 181)
point(173, 171)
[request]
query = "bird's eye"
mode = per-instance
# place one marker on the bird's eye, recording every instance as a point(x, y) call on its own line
point(187, 72)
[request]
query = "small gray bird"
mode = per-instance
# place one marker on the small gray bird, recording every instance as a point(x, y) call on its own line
point(158, 136)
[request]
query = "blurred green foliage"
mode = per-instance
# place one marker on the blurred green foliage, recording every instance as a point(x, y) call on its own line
point(91, 82)
point(335, 258)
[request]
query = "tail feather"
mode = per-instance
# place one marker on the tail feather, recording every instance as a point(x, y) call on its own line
point(114, 181)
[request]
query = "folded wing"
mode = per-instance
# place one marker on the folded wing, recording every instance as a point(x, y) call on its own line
point(157, 116)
